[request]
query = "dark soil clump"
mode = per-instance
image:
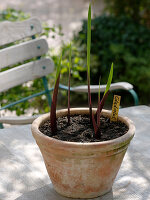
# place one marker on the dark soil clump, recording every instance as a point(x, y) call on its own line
point(81, 130)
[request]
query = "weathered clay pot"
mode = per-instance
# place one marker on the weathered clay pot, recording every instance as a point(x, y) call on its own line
point(82, 170)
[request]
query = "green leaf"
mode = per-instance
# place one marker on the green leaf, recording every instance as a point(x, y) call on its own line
point(89, 41)
point(109, 79)
point(70, 53)
point(88, 60)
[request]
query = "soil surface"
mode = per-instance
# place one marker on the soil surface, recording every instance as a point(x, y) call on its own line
point(81, 130)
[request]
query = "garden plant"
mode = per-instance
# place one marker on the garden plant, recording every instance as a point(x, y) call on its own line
point(101, 103)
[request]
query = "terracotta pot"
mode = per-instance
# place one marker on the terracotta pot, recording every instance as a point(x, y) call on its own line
point(82, 170)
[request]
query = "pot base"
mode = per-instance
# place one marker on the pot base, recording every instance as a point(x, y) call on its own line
point(83, 195)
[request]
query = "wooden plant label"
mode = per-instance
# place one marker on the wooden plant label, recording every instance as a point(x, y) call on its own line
point(115, 108)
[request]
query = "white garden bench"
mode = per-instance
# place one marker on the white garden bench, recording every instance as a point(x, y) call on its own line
point(32, 48)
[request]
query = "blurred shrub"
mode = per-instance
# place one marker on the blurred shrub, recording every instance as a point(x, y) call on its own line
point(78, 63)
point(124, 42)
point(11, 14)
point(138, 10)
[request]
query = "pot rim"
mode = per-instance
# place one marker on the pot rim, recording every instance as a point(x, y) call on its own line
point(121, 141)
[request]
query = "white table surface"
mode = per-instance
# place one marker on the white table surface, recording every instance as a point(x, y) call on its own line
point(23, 175)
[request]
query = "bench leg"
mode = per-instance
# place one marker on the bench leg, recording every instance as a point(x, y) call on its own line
point(1, 126)
point(135, 97)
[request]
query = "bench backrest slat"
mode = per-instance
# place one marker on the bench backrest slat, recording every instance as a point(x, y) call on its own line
point(23, 51)
point(24, 73)
point(24, 55)
point(13, 31)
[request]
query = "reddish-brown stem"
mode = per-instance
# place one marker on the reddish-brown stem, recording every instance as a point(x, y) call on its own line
point(69, 97)
point(94, 126)
point(98, 112)
point(103, 100)
point(53, 107)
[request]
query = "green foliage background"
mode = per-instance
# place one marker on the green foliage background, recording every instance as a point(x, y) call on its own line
point(127, 44)
point(137, 10)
